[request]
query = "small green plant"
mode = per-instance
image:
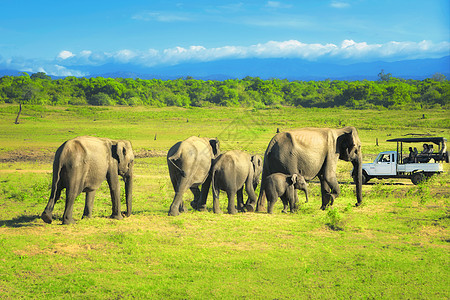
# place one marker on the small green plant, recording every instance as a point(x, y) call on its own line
point(334, 220)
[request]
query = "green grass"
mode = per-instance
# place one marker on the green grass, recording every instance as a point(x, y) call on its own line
point(395, 246)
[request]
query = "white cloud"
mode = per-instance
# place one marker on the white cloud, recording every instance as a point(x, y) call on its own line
point(65, 54)
point(125, 55)
point(34, 66)
point(348, 51)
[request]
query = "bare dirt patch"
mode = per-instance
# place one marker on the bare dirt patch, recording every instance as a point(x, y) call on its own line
point(144, 153)
point(47, 156)
point(27, 155)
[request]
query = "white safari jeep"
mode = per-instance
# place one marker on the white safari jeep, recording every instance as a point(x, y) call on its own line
point(415, 165)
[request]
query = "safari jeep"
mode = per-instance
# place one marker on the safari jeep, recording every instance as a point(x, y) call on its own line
point(415, 165)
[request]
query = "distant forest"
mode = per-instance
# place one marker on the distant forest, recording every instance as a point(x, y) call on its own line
point(386, 92)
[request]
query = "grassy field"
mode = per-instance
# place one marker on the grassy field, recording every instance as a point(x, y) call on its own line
point(395, 246)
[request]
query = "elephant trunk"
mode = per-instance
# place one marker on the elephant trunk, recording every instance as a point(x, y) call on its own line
point(357, 177)
point(128, 192)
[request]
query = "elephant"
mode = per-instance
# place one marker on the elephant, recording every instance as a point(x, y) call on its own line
point(230, 172)
point(81, 165)
point(189, 164)
point(281, 185)
point(314, 152)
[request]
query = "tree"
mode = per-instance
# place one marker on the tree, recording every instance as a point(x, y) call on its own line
point(384, 77)
point(40, 75)
point(438, 77)
point(100, 99)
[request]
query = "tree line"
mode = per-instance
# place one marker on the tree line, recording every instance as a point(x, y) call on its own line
point(387, 92)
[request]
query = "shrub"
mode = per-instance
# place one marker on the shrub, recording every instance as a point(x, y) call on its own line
point(334, 220)
point(101, 99)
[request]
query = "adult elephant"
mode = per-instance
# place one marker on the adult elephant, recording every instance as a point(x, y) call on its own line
point(189, 163)
point(313, 152)
point(81, 165)
point(231, 171)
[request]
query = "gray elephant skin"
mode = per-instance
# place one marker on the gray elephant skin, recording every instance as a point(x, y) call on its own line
point(314, 152)
point(81, 165)
point(231, 171)
point(189, 164)
point(283, 186)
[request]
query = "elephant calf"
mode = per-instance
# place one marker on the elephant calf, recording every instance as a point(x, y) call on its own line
point(283, 186)
point(81, 165)
point(230, 172)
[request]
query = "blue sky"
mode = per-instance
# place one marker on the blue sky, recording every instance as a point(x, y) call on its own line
point(59, 36)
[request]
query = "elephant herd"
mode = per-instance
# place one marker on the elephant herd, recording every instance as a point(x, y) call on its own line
point(291, 159)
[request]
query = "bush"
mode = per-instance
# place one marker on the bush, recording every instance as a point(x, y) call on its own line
point(101, 99)
point(77, 101)
point(334, 220)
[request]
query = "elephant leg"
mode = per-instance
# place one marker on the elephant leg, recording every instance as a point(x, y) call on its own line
point(293, 203)
point(216, 202)
point(72, 193)
point(250, 189)
point(89, 204)
point(178, 198)
point(328, 193)
point(332, 191)
point(325, 192)
point(182, 208)
point(295, 199)
point(197, 195)
point(335, 189)
point(114, 190)
point(261, 203)
point(285, 203)
point(231, 206)
point(272, 198)
point(201, 204)
point(174, 209)
point(54, 197)
point(240, 199)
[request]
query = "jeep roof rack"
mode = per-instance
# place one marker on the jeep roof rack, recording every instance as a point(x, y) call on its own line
point(436, 140)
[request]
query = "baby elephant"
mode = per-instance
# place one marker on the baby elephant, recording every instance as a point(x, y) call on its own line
point(283, 186)
point(230, 172)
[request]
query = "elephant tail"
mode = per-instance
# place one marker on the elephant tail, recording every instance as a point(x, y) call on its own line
point(172, 160)
point(213, 184)
point(57, 168)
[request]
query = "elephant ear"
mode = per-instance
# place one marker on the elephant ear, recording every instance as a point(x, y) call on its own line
point(121, 151)
point(256, 162)
point(215, 145)
point(292, 179)
point(346, 142)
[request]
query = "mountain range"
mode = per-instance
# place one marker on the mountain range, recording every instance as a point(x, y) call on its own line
point(283, 68)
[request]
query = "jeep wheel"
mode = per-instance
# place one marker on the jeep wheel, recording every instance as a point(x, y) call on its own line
point(364, 179)
point(417, 178)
